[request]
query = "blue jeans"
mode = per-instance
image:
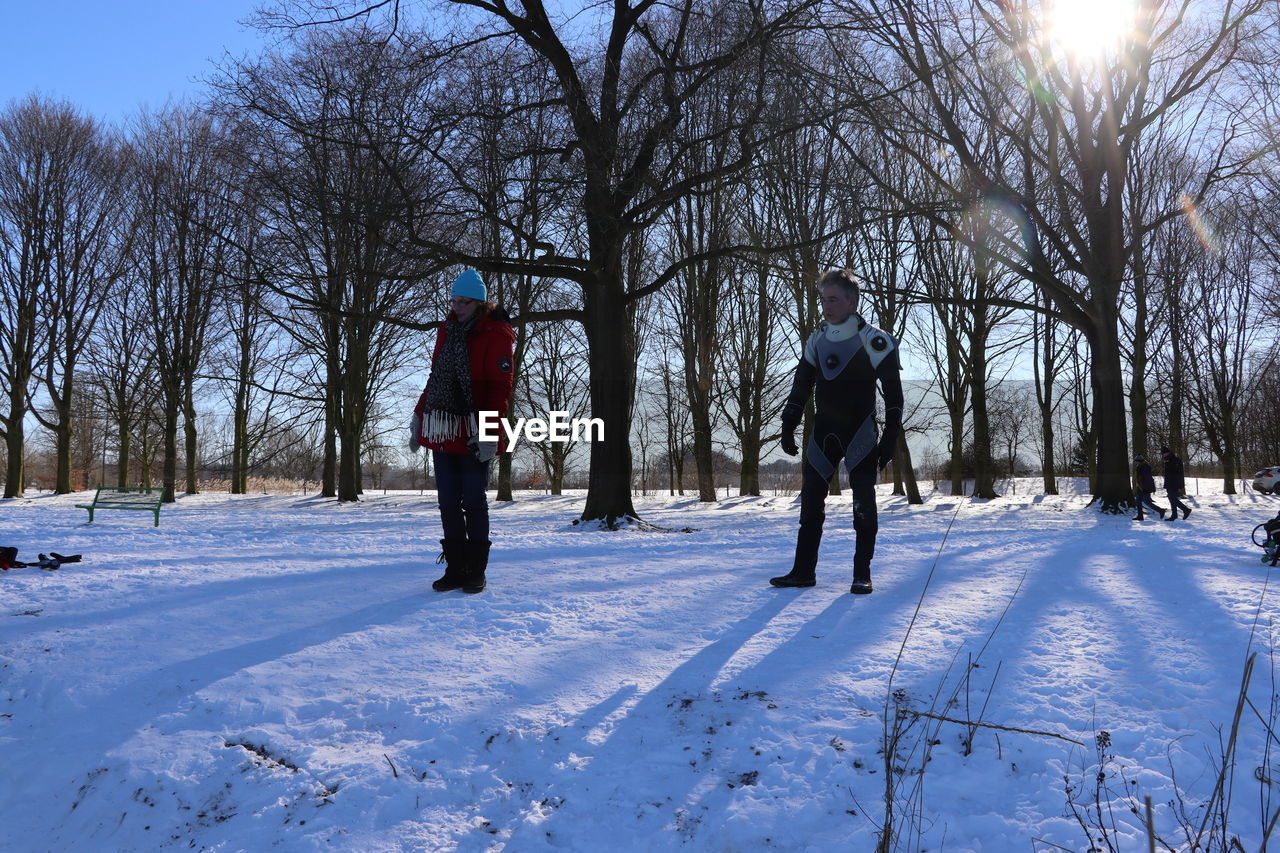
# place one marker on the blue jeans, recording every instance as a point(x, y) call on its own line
point(1144, 499)
point(461, 481)
point(1175, 504)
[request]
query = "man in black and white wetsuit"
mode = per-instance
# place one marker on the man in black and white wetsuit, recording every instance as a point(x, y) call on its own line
point(842, 363)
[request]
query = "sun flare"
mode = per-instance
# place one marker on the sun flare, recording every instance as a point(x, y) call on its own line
point(1087, 29)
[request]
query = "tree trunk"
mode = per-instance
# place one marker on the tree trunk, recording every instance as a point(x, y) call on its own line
point(752, 407)
point(1230, 449)
point(703, 457)
point(62, 440)
point(240, 430)
point(556, 475)
point(240, 448)
point(749, 474)
point(984, 480)
point(169, 472)
point(1138, 408)
point(124, 439)
point(192, 449)
point(1107, 383)
point(902, 466)
point(1177, 386)
point(612, 375)
point(15, 439)
point(955, 411)
point(504, 478)
point(329, 463)
point(1043, 336)
point(984, 475)
point(1048, 461)
point(145, 449)
point(348, 467)
point(15, 435)
point(350, 426)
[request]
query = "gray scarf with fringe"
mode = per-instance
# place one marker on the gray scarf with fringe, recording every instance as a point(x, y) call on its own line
point(449, 410)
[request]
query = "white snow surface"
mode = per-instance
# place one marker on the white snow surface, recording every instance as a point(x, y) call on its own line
point(275, 672)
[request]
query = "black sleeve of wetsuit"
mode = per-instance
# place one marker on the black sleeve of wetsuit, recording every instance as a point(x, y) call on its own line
point(801, 388)
point(890, 372)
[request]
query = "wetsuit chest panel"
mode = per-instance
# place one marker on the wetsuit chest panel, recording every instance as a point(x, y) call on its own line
point(834, 356)
point(876, 344)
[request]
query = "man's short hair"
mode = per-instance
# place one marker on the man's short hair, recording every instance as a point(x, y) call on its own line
point(842, 278)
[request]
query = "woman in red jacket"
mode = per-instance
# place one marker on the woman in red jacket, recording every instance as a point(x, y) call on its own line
point(470, 373)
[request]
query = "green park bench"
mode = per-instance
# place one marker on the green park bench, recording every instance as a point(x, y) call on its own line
point(146, 498)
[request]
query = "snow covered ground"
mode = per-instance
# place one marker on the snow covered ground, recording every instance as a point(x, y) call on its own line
point(274, 672)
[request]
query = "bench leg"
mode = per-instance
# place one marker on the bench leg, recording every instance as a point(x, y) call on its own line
point(91, 516)
point(157, 524)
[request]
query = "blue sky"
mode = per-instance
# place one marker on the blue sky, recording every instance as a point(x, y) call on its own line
point(110, 57)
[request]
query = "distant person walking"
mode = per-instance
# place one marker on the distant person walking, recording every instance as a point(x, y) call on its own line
point(470, 373)
point(1175, 483)
point(1146, 484)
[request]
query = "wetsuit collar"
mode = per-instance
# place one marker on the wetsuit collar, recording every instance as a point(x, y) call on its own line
point(846, 330)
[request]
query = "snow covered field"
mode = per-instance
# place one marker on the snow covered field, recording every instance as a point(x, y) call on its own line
point(274, 672)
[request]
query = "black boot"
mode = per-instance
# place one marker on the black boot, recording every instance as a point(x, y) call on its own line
point(477, 562)
point(794, 578)
point(455, 565)
point(804, 566)
point(861, 578)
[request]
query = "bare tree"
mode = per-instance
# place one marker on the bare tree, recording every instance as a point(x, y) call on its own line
point(700, 224)
point(946, 278)
point(496, 110)
point(811, 196)
point(754, 383)
point(1047, 349)
point(1011, 408)
point(625, 107)
point(1221, 296)
point(553, 381)
point(181, 194)
point(121, 366)
point(332, 166)
point(883, 253)
point(26, 209)
point(1067, 134)
point(676, 420)
point(87, 238)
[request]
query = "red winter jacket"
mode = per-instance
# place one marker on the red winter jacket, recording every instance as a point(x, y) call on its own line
point(490, 348)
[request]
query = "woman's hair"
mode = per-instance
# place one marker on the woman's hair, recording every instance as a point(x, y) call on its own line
point(484, 309)
point(843, 278)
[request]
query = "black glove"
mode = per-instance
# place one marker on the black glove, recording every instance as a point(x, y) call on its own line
point(792, 414)
point(789, 441)
point(885, 451)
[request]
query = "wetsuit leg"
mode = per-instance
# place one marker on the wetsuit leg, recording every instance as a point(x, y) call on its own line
point(820, 462)
point(866, 519)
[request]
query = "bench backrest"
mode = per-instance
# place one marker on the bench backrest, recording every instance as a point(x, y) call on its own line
point(142, 495)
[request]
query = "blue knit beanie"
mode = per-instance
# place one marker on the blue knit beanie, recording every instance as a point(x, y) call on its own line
point(470, 285)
